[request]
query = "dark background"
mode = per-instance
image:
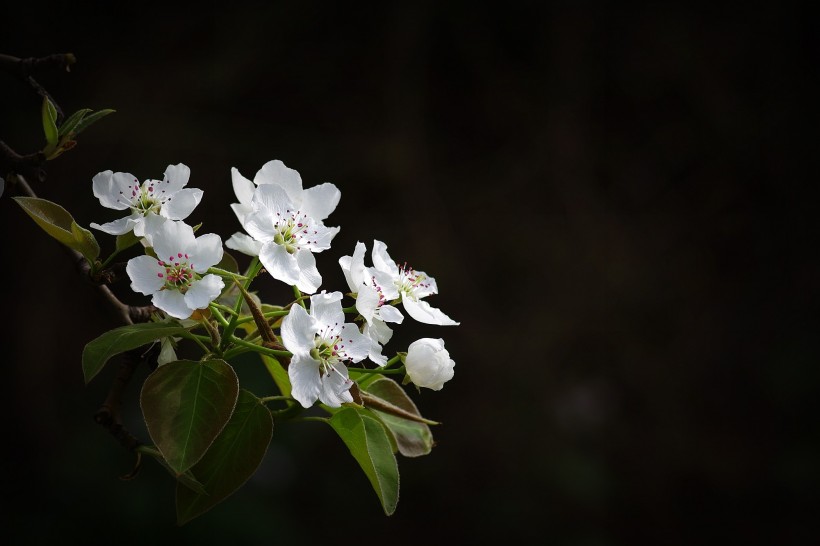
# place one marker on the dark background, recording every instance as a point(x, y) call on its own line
point(614, 202)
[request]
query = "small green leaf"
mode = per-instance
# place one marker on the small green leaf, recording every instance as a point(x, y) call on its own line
point(413, 438)
point(71, 121)
point(97, 352)
point(126, 240)
point(186, 405)
point(57, 222)
point(369, 444)
point(231, 460)
point(90, 119)
point(278, 373)
point(49, 113)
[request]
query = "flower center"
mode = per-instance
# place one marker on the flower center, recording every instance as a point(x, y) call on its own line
point(179, 273)
point(329, 350)
point(146, 198)
point(292, 230)
point(409, 281)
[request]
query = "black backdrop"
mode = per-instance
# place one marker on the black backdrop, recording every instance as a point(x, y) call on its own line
point(613, 202)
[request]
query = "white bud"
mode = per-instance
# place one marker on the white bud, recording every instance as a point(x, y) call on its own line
point(428, 363)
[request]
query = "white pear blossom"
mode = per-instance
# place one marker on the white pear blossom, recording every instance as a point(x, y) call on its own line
point(176, 277)
point(428, 363)
point(412, 286)
point(321, 342)
point(167, 197)
point(373, 289)
point(284, 222)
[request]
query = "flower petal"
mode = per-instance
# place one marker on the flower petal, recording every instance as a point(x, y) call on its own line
point(378, 331)
point(171, 238)
point(242, 187)
point(204, 291)
point(388, 313)
point(173, 303)
point(353, 267)
point(382, 260)
point(319, 201)
point(206, 252)
point(117, 227)
point(275, 172)
point(357, 345)
point(423, 312)
point(327, 309)
point(273, 199)
point(305, 382)
point(322, 237)
point(144, 272)
point(176, 177)
point(279, 263)
point(309, 278)
point(336, 387)
point(241, 211)
point(298, 331)
point(114, 189)
point(244, 244)
point(367, 301)
point(259, 224)
point(181, 204)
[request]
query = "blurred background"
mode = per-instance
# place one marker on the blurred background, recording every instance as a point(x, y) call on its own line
point(613, 201)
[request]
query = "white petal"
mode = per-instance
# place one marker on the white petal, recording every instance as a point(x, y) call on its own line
point(173, 303)
point(244, 244)
point(388, 313)
point(114, 189)
point(144, 272)
point(117, 227)
point(176, 177)
point(241, 211)
point(305, 383)
point(335, 387)
point(378, 331)
point(279, 263)
point(275, 172)
point(327, 309)
point(171, 238)
point(167, 353)
point(319, 201)
point(204, 291)
point(179, 205)
point(298, 331)
point(309, 278)
point(423, 312)
point(427, 287)
point(375, 354)
point(353, 267)
point(206, 252)
point(367, 301)
point(357, 345)
point(259, 224)
point(382, 260)
point(242, 187)
point(320, 240)
point(272, 198)
point(386, 283)
point(147, 226)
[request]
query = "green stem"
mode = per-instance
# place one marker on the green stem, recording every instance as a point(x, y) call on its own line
point(259, 348)
point(267, 399)
point(224, 308)
point(227, 335)
point(298, 294)
point(220, 318)
point(351, 309)
point(228, 274)
point(377, 370)
point(320, 419)
point(392, 361)
point(269, 314)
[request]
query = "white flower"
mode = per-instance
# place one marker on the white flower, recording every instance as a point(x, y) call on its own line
point(176, 277)
point(373, 290)
point(284, 222)
point(412, 285)
point(167, 198)
point(320, 342)
point(428, 363)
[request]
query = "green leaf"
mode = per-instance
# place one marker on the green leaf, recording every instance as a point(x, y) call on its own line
point(97, 352)
point(57, 222)
point(231, 460)
point(278, 373)
point(71, 121)
point(369, 444)
point(413, 438)
point(49, 113)
point(126, 240)
point(186, 479)
point(228, 263)
point(186, 405)
point(90, 119)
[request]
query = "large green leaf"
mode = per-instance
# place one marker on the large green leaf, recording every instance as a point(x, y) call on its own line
point(278, 373)
point(231, 460)
point(57, 222)
point(369, 444)
point(186, 405)
point(97, 352)
point(413, 438)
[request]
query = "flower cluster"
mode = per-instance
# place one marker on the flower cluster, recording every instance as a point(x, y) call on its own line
point(283, 227)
